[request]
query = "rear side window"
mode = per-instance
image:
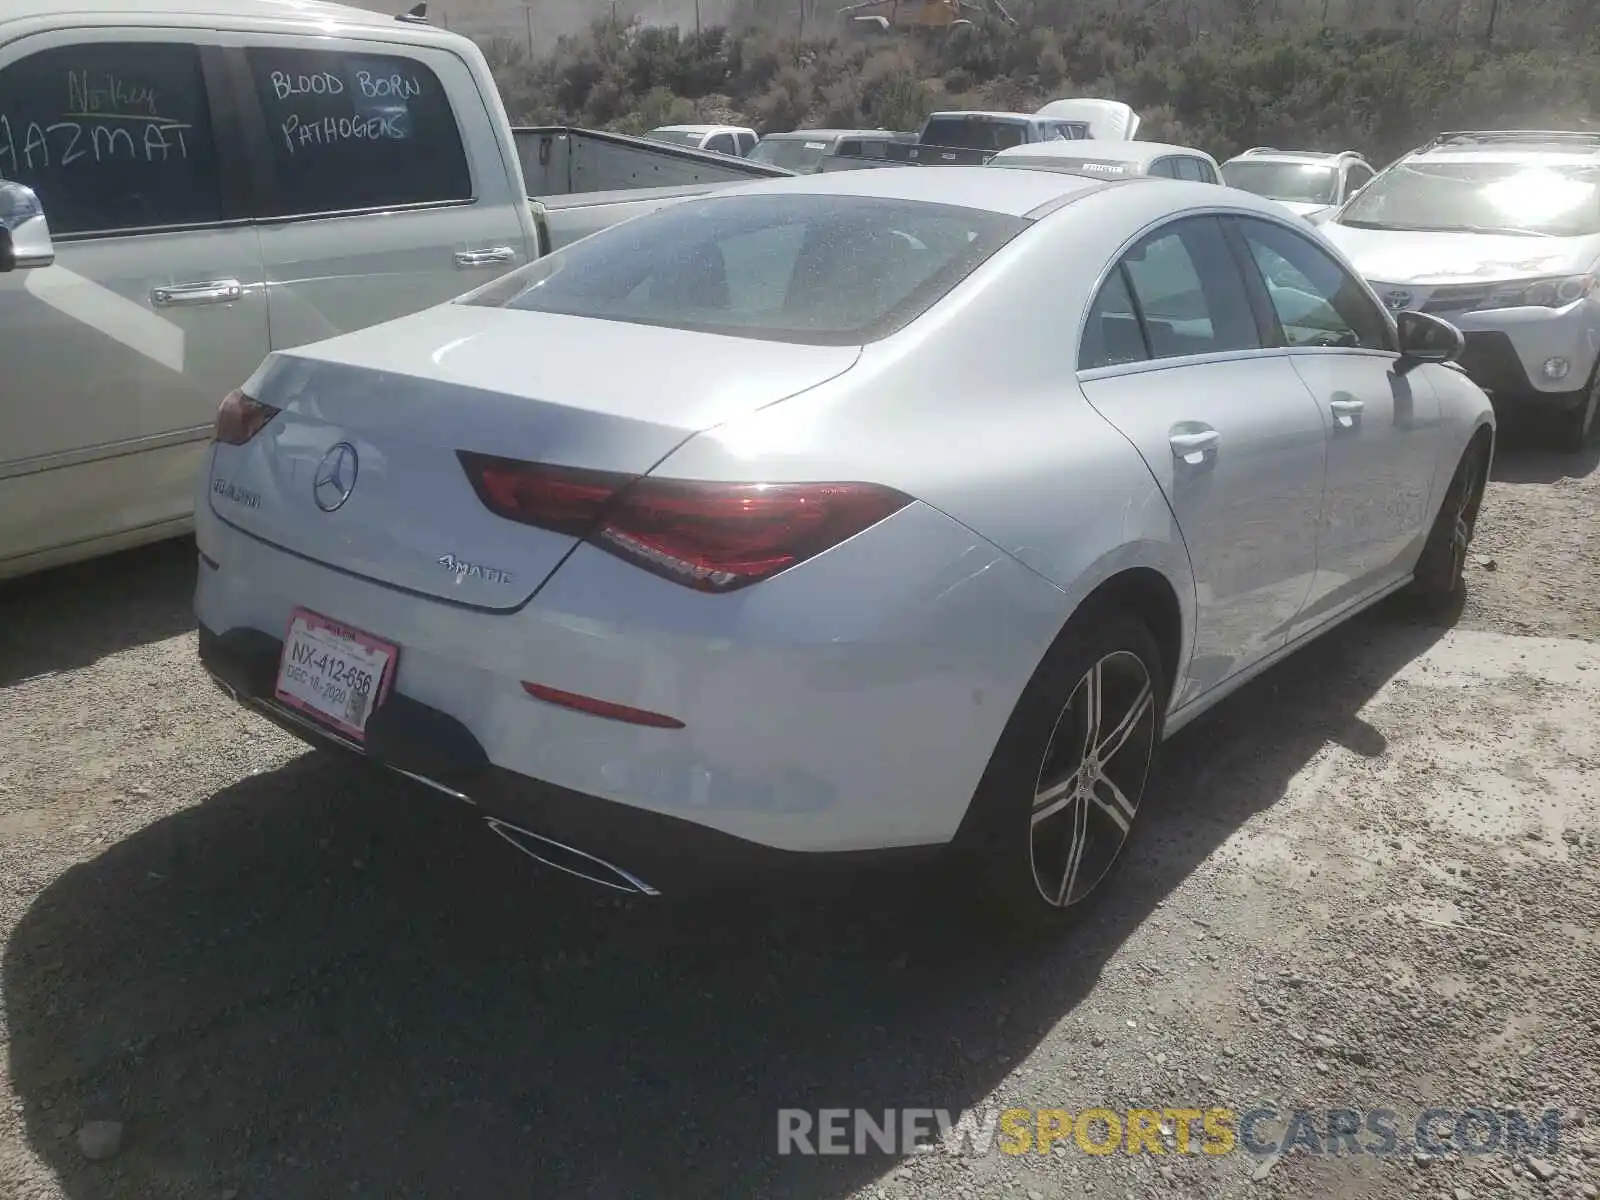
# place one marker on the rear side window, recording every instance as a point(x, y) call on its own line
point(1187, 285)
point(1162, 169)
point(1113, 334)
point(818, 270)
point(1189, 168)
point(111, 136)
point(354, 131)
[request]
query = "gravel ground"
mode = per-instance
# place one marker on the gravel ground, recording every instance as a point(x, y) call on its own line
point(1368, 881)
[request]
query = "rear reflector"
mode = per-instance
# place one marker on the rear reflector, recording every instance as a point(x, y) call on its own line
point(713, 537)
point(240, 418)
point(601, 708)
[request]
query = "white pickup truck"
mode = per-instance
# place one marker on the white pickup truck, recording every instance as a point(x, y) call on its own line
point(195, 183)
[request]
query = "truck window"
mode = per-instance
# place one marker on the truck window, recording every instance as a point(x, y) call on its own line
point(112, 136)
point(1188, 168)
point(973, 133)
point(353, 131)
point(722, 143)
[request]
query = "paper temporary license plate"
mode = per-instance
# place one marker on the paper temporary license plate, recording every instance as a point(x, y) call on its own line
point(333, 672)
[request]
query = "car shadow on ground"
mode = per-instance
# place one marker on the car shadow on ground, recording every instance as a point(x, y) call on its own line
point(1523, 455)
point(324, 981)
point(73, 616)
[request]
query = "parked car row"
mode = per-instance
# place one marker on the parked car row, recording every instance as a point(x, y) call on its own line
point(648, 535)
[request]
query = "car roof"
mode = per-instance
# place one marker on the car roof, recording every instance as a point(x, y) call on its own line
point(979, 114)
point(1137, 152)
point(1011, 193)
point(1508, 153)
point(699, 129)
point(1311, 158)
point(281, 10)
point(814, 134)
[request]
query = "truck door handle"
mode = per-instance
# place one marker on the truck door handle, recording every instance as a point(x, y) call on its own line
point(1192, 447)
point(214, 291)
point(1345, 412)
point(467, 259)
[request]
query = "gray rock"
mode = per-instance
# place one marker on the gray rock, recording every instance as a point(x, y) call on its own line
point(1545, 1171)
point(100, 1140)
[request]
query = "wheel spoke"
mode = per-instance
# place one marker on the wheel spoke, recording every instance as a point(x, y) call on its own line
point(1063, 795)
point(1118, 737)
point(1116, 806)
point(1075, 849)
point(1094, 686)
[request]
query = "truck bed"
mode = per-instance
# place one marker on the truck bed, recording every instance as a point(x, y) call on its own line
point(583, 180)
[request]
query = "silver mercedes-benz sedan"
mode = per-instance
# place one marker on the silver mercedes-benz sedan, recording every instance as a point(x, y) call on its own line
point(886, 511)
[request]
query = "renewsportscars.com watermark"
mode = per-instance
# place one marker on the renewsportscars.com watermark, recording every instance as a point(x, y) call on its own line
point(1262, 1132)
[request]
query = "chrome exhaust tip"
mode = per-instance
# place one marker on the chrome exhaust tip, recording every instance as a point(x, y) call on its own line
point(569, 860)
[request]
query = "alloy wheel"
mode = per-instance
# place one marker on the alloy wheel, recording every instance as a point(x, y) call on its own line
point(1465, 518)
point(1092, 778)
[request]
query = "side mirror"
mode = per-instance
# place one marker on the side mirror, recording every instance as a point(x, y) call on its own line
point(1428, 339)
point(24, 233)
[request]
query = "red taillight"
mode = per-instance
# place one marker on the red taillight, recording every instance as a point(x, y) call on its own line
point(240, 418)
point(561, 499)
point(714, 537)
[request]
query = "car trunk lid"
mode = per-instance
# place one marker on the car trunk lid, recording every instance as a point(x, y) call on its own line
point(359, 469)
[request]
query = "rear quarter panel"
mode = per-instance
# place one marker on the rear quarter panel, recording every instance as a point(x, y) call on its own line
point(976, 410)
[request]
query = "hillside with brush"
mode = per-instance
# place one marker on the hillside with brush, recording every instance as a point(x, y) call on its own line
point(1248, 73)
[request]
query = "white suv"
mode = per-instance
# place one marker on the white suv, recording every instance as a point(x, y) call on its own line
point(1498, 232)
point(1307, 182)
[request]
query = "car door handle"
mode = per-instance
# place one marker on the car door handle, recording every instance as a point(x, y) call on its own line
point(467, 259)
point(1345, 412)
point(1192, 447)
point(213, 291)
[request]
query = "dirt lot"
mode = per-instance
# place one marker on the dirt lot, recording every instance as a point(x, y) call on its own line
point(1372, 880)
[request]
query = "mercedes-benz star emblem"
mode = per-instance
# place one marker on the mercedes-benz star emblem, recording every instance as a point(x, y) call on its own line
point(336, 477)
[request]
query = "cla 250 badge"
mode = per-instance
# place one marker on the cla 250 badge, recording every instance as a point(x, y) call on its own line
point(239, 495)
point(466, 570)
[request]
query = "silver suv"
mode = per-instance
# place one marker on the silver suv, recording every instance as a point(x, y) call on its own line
point(1308, 182)
point(1497, 231)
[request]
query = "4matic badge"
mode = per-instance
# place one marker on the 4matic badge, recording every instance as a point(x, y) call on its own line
point(466, 570)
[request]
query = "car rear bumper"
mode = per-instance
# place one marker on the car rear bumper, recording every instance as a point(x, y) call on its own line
point(850, 704)
point(615, 845)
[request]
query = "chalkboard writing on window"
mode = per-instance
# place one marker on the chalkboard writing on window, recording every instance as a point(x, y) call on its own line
point(354, 131)
point(111, 136)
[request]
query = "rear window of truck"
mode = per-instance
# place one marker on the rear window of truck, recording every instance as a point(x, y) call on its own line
point(353, 131)
point(812, 269)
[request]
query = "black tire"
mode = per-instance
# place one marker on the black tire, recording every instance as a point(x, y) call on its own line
point(1437, 582)
point(1003, 852)
point(1576, 427)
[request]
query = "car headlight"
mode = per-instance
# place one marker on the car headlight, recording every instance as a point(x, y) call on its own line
point(1542, 293)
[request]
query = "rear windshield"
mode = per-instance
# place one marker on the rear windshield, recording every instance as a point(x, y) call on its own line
point(793, 154)
point(973, 133)
point(1295, 183)
point(815, 269)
